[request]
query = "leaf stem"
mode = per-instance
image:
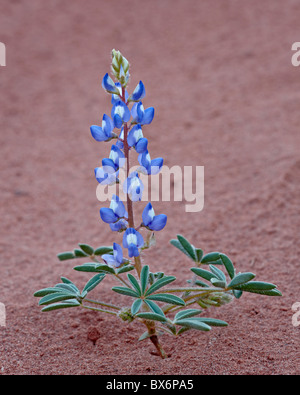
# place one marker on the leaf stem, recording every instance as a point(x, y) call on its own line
point(100, 310)
point(102, 304)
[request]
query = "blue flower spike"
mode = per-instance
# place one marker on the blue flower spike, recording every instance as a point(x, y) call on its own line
point(149, 166)
point(115, 212)
point(137, 140)
point(133, 240)
point(104, 132)
point(138, 94)
point(115, 260)
point(134, 187)
point(109, 86)
point(152, 221)
point(120, 113)
point(140, 115)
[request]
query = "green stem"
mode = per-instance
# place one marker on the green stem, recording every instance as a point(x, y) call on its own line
point(191, 289)
point(100, 310)
point(102, 304)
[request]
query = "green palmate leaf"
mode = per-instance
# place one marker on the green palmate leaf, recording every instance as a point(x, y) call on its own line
point(134, 283)
point(68, 288)
point(46, 291)
point(79, 253)
point(160, 283)
point(65, 305)
point(145, 335)
point(65, 256)
point(228, 265)
point(199, 254)
point(178, 245)
point(240, 279)
point(103, 250)
point(193, 323)
point(93, 282)
point(172, 299)
point(152, 317)
point(218, 273)
point(212, 257)
point(237, 294)
point(218, 283)
point(183, 329)
point(136, 305)
point(87, 249)
point(211, 321)
point(66, 280)
point(261, 288)
point(201, 284)
point(186, 314)
point(203, 273)
point(144, 278)
point(92, 267)
point(125, 269)
point(154, 307)
point(57, 297)
point(188, 247)
point(126, 291)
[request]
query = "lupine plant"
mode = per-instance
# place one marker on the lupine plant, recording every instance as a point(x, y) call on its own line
point(145, 296)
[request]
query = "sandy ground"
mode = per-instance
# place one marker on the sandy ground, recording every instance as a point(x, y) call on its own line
point(226, 96)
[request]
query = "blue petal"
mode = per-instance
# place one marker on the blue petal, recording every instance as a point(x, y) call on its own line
point(148, 116)
point(118, 121)
point(98, 133)
point(119, 226)
point(109, 165)
point(146, 217)
point(158, 223)
point(109, 259)
point(117, 206)
point(145, 161)
point(118, 253)
point(108, 216)
point(109, 85)
point(107, 125)
point(140, 240)
point(141, 146)
point(117, 156)
point(156, 165)
point(138, 93)
point(133, 251)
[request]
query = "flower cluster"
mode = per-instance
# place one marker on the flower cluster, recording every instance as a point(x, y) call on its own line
point(125, 126)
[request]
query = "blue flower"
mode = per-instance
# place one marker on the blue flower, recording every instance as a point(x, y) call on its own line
point(120, 113)
point(115, 211)
point(138, 94)
point(140, 115)
point(104, 177)
point(103, 133)
point(116, 98)
point(115, 161)
point(116, 259)
point(109, 85)
point(119, 226)
point(132, 240)
point(152, 221)
point(134, 187)
point(136, 139)
point(149, 166)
